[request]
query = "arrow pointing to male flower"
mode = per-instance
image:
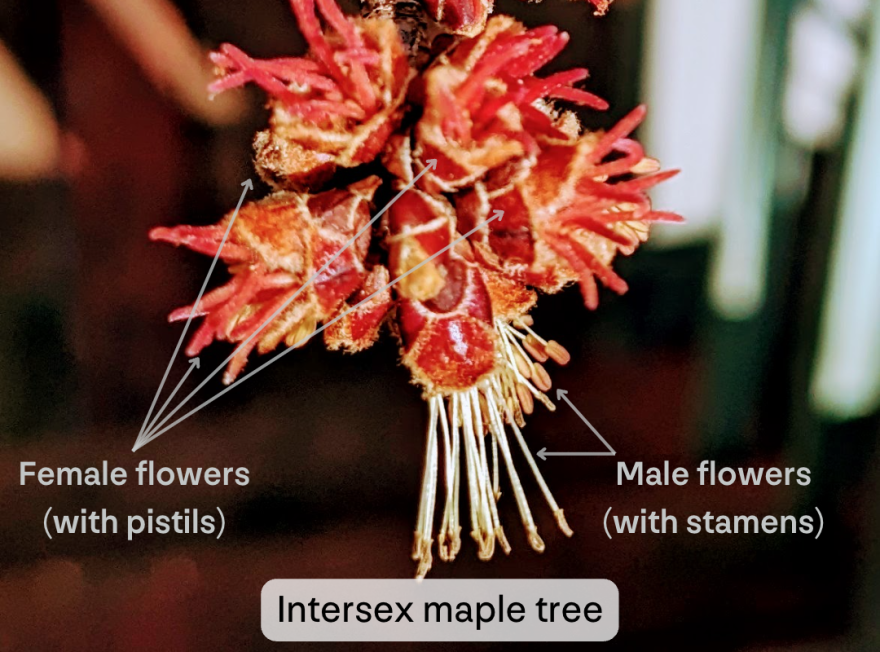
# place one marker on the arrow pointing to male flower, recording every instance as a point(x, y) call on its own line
point(562, 395)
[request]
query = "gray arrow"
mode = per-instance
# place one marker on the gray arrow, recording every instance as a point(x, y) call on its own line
point(496, 215)
point(248, 185)
point(152, 434)
point(432, 163)
point(562, 395)
point(193, 364)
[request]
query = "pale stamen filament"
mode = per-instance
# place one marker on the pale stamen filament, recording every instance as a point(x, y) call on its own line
point(483, 533)
point(510, 360)
point(459, 410)
point(521, 502)
point(485, 479)
point(515, 343)
point(496, 489)
point(425, 522)
point(448, 541)
point(465, 419)
point(548, 496)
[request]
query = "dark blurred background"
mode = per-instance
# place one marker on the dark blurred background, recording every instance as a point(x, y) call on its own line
point(750, 335)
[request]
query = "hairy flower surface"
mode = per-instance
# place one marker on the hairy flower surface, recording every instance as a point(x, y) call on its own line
point(275, 246)
point(601, 6)
point(502, 195)
point(569, 213)
point(484, 106)
point(336, 107)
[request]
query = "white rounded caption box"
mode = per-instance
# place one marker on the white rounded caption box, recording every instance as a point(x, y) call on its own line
point(440, 610)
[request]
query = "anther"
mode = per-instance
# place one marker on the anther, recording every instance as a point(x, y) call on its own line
point(444, 549)
point(541, 378)
point(535, 541)
point(522, 364)
point(526, 401)
point(537, 350)
point(417, 547)
point(502, 540)
point(562, 523)
point(559, 353)
point(425, 561)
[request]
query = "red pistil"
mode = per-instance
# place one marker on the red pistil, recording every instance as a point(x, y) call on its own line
point(513, 59)
point(334, 82)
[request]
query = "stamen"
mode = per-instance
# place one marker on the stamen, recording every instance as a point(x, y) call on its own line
point(541, 377)
point(507, 341)
point(525, 398)
point(496, 489)
point(548, 496)
point(482, 530)
point(558, 353)
point(448, 540)
point(425, 522)
point(514, 341)
point(471, 479)
point(467, 419)
point(521, 501)
point(522, 364)
point(537, 350)
point(527, 326)
point(478, 400)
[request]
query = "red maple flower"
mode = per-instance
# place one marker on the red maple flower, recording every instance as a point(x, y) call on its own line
point(474, 136)
point(569, 213)
point(484, 106)
point(335, 108)
point(275, 246)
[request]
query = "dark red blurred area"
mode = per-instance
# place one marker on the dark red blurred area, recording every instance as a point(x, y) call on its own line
point(334, 442)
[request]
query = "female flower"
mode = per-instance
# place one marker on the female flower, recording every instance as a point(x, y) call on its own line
point(484, 106)
point(335, 108)
point(275, 246)
point(569, 213)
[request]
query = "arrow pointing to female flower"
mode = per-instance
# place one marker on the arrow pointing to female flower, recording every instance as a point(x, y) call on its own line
point(155, 432)
point(248, 185)
point(143, 437)
point(562, 395)
point(193, 364)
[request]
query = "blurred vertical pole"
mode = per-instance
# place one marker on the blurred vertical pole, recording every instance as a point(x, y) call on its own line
point(719, 121)
point(824, 63)
point(699, 75)
point(36, 246)
point(747, 279)
point(845, 386)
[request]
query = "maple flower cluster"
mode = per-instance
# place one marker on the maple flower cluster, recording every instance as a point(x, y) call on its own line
point(477, 141)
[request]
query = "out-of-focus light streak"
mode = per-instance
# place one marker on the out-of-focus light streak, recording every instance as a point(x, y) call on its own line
point(701, 63)
point(823, 58)
point(30, 140)
point(846, 383)
point(156, 35)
